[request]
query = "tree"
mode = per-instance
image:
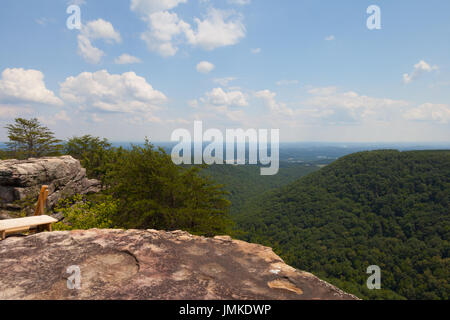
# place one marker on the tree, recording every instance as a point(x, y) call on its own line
point(153, 192)
point(28, 138)
point(94, 154)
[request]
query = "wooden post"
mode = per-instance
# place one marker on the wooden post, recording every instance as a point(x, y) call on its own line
point(3, 236)
point(40, 207)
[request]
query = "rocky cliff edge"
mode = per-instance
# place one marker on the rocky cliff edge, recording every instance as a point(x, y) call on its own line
point(150, 264)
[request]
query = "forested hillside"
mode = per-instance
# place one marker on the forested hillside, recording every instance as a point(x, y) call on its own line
point(246, 182)
point(384, 208)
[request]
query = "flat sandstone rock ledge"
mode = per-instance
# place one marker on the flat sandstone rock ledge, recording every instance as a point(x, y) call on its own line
point(150, 264)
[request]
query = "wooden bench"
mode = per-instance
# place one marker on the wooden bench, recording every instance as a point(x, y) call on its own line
point(10, 226)
point(39, 221)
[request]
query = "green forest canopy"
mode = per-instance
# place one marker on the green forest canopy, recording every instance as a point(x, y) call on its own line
point(384, 208)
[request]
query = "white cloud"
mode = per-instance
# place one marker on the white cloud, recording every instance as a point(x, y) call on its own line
point(329, 97)
point(351, 107)
point(166, 31)
point(330, 38)
point(25, 86)
point(419, 69)
point(219, 97)
point(256, 50)
point(328, 106)
point(86, 50)
point(127, 59)
point(163, 28)
point(219, 29)
point(275, 107)
point(205, 67)
point(146, 7)
point(221, 104)
point(224, 81)
point(430, 112)
point(101, 29)
point(93, 30)
point(104, 92)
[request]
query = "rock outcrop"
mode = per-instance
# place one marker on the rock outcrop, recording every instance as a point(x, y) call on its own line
point(149, 264)
point(22, 179)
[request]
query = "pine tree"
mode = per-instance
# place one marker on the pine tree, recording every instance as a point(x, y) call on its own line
point(28, 138)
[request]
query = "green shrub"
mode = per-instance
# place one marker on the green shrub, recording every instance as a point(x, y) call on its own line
point(81, 214)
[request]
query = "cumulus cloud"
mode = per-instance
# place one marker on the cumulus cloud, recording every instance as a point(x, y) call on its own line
point(127, 59)
point(255, 50)
point(219, 29)
point(222, 104)
point(327, 105)
point(163, 29)
point(104, 92)
point(276, 107)
point(330, 38)
point(205, 67)
point(93, 30)
point(328, 97)
point(86, 50)
point(101, 29)
point(166, 31)
point(419, 69)
point(352, 107)
point(219, 97)
point(21, 86)
point(430, 112)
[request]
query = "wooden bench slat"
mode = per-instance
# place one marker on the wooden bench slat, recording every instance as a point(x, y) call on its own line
point(6, 225)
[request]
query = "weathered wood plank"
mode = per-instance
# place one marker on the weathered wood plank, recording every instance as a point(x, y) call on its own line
point(29, 222)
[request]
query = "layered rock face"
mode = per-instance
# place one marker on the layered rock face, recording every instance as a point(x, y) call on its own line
point(20, 179)
point(149, 264)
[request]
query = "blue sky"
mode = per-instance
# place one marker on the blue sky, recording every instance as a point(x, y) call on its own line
point(312, 69)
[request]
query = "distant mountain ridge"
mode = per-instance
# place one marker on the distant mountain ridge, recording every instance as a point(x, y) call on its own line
point(385, 208)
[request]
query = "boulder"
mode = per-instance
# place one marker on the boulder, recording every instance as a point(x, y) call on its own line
point(22, 179)
point(150, 264)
